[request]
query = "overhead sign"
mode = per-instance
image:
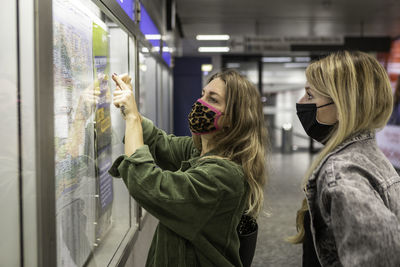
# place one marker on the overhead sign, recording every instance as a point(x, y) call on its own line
point(261, 44)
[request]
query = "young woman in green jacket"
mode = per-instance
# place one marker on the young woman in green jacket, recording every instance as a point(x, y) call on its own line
point(197, 187)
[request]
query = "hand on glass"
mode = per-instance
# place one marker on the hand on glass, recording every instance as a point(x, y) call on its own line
point(87, 101)
point(123, 96)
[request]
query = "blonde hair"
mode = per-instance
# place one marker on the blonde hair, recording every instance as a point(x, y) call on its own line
point(244, 140)
point(360, 88)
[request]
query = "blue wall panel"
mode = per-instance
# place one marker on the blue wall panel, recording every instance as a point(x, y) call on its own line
point(187, 89)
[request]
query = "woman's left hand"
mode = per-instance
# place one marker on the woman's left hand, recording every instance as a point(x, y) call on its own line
point(123, 96)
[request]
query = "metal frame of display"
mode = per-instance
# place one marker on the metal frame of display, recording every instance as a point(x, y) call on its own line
point(44, 125)
point(117, 14)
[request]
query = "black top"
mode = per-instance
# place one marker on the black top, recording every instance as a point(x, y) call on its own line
point(309, 255)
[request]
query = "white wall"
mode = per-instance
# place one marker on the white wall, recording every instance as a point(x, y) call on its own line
point(9, 182)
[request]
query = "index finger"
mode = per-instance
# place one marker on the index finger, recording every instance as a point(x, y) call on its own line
point(126, 78)
point(119, 82)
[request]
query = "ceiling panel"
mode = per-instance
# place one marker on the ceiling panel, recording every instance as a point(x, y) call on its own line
point(287, 18)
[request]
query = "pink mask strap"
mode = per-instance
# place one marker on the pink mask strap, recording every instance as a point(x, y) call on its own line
point(210, 107)
point(219, 113)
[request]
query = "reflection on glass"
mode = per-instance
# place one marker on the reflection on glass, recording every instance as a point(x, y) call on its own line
point(75, 183)
point(148, 85)
point(85, 197)
point(102, 144)
point(142, 79)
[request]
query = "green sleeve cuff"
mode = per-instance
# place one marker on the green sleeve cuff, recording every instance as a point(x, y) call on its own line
point(141, 155)
point(113, 171)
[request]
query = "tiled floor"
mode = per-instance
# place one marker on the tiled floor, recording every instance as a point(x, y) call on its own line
point(283, 197)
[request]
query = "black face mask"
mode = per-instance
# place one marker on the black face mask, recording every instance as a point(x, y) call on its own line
point(307, 114)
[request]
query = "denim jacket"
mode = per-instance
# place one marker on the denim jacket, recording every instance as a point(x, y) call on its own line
point(354, 204)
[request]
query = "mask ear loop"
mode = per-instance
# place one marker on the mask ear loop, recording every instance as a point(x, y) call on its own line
point(219, 113)
point(326, 105)
point(322, 107)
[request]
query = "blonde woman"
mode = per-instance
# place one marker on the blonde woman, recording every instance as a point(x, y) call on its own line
point(197, 187)
point(351, 212)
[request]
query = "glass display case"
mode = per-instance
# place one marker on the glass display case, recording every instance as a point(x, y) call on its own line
point(61, 206)
point(92, 208)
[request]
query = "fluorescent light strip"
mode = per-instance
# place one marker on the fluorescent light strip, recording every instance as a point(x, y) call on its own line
point(296, 65)
point(210, 49)
point(206, 67)
point(233, 65)
point(220, 37)
point(153, 36)
point(302, 59)
point(276, 59)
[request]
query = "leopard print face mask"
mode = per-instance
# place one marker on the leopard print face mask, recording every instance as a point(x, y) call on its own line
point(203, 118)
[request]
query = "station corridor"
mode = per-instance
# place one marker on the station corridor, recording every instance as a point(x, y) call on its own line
point(283, 197)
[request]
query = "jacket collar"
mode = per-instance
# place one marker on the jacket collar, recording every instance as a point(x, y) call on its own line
point(365, 135)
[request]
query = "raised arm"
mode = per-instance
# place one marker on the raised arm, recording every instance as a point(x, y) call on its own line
point(168, 151)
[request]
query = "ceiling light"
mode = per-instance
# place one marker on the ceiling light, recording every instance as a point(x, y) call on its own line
point(302, 59)
point(220, 37)
point(276, 59)
point(143, 67)
point(153, 36)
point(206, 67)
point(287, 126)
point(205, 49)
point(233, 65)
point(296, 65)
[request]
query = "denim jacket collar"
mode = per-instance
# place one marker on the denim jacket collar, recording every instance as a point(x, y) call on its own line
point(354, 138)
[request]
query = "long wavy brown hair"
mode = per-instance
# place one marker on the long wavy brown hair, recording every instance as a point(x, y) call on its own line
point(244, 140)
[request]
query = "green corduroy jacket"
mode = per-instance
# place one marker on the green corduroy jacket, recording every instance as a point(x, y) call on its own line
point(198, 200)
